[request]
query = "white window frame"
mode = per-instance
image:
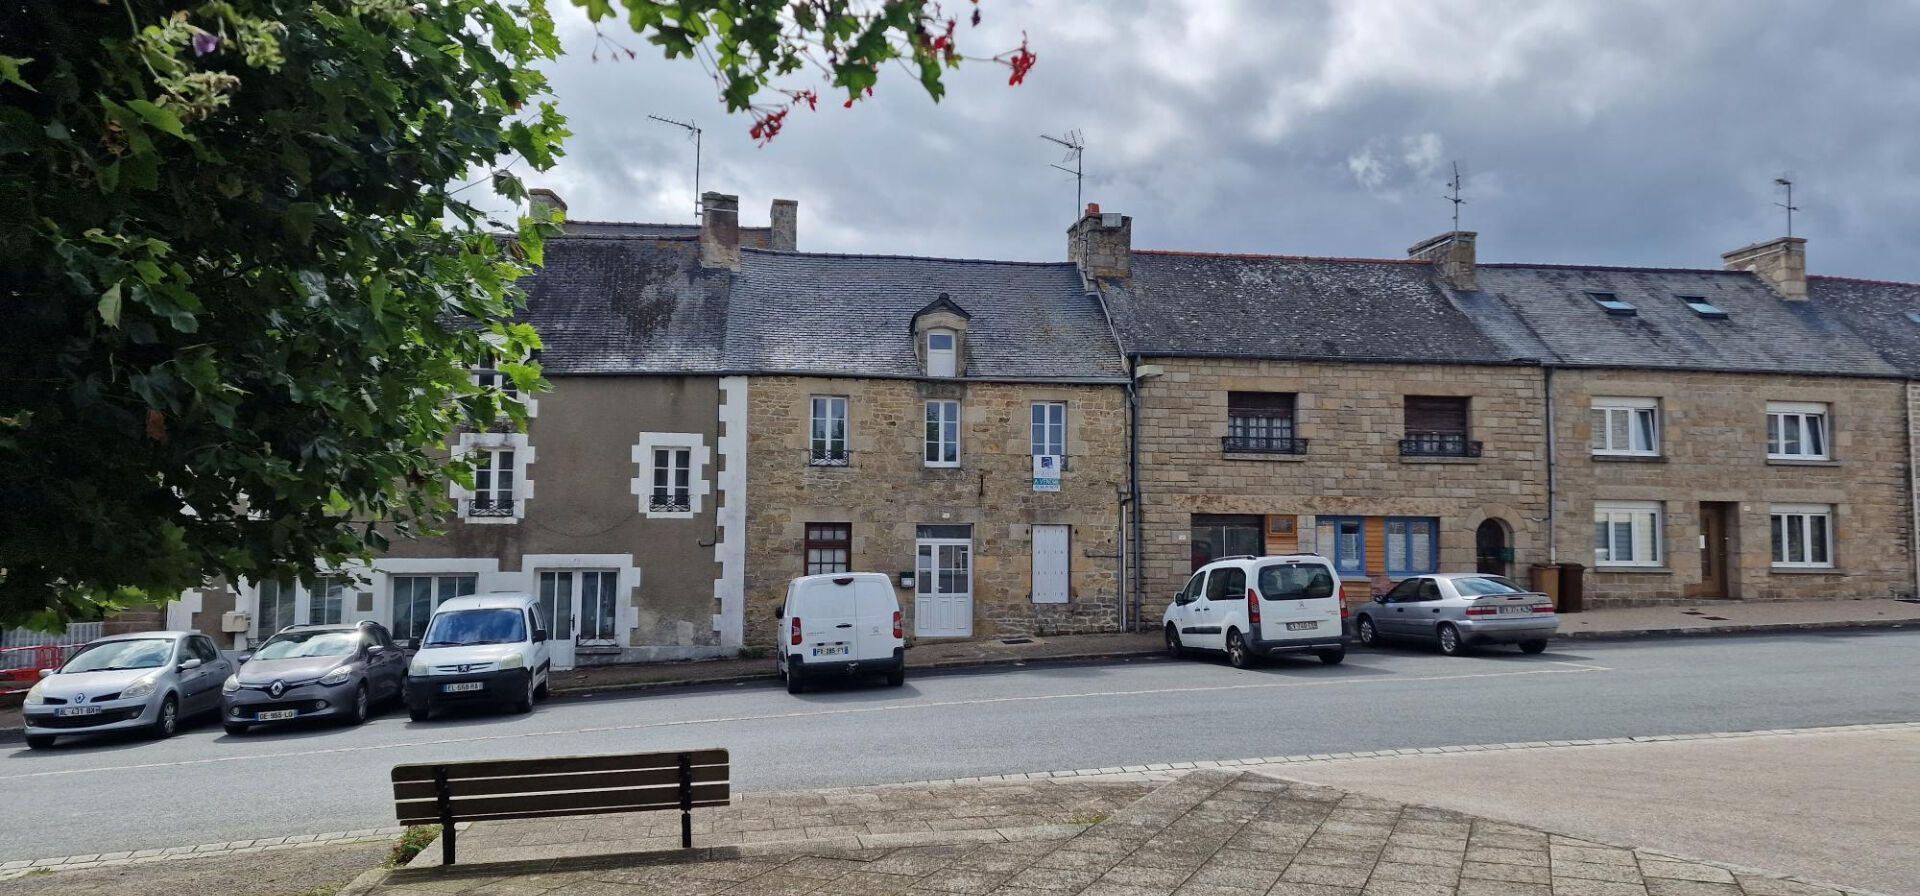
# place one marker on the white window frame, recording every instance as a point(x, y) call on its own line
point(945, 414)
point(1797, 414)
point(671, 475)
point(501, 381)
point(1047, 428)
point(523, 455)
point(1800, 516)
point(699, 458)
point(1646, 526)
point(945, 361)
point(824, 411)
point(440, 587)
point(1635, 410)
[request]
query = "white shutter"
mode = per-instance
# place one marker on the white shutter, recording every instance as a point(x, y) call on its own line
point(1050, 564)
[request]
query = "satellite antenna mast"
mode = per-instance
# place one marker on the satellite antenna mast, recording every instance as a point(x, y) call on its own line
point(1453, 195)
point(1787, 182)
point(1076, 148)
point(693, 130)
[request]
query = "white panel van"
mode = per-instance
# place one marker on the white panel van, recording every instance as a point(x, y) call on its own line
point(840, 625)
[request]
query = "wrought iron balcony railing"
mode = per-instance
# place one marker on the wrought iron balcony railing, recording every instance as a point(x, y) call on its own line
point(662, 503)
point(819, 457)
point(490, 507)
point(1438, 444)
point(1263, 445)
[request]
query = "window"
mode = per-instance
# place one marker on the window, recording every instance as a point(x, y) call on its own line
point(1803, 536)
point(1613, 304)
point(203, 649)
point(1217, 535)
point(828, 549)
point(328, 600)
point(672, 485)
point(1412, 546)
point(275, 609)
point(827, 439)
point(1227, 584)
point(489, 377)
point(1192, 591)
point(414, 598)
point(1049, 428)
point(1626, 534)
point(1436, 426)
point(1261, 423)
point(1405, 592)
point(1796, 431)
point(1626, 427)
point(943, 434)
point(492, 483)
point(1704, 308)
point(1295, 581)
point(1343, 540)
point(1913, 316)
point(594, 592)
point(941, 353)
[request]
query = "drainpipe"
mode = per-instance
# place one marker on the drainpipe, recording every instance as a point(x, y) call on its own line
point(1553, 544)
point(1121, 581)
point(1913, 486)
point(1133, 486)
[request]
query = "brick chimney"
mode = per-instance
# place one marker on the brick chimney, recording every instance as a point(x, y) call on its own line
point(541, 201)
point(1453, 259)
point(785, 221)
point(1779, 263)
point(1102, 244)
point(719, 231)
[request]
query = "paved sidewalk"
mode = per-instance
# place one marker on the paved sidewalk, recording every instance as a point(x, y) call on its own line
point(1724, 617)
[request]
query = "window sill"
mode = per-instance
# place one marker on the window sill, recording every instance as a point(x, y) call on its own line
point(1804, 571)
point(1437, 459)
point(1629, 459)
point(1263, 456)
point(1636, 570)
point(1802, 462)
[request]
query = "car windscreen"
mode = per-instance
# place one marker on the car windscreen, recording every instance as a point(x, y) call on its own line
point(1295, 581)
point(140, 653)
point(458, 628)
point(1478, 585)
point(293, 645)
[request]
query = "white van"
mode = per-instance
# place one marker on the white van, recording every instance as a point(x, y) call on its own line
point(1249, 607)
point(481, 648)
point(840, 625)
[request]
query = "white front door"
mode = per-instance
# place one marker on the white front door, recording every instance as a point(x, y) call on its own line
point(558, 614)
point(943, 588)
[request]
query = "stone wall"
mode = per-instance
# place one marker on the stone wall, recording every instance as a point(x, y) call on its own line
point(885, 492)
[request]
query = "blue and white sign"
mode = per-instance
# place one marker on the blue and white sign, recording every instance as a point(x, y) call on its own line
point(1046, 472)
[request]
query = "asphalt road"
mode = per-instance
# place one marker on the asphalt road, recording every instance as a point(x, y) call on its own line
point(203, 786)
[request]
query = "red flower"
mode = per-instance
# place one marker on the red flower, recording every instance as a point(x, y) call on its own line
point(1021, 61)
point(766, 125)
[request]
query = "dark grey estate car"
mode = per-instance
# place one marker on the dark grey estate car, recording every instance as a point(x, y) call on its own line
point(315, 671)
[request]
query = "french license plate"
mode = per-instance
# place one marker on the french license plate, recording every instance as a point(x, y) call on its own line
point(275, 715)
point(461, 686)
point(1302, 626)
point(1515, 611)
point(70, 711)
point(830, 651)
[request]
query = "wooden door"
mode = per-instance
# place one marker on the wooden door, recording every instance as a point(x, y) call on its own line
point(1713, 550)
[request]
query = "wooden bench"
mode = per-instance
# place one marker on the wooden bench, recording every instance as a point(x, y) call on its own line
point(446, 793)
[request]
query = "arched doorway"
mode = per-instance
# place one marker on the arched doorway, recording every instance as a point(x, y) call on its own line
point(1493, 553)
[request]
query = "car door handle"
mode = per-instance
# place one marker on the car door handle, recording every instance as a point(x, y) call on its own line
point(844, 625)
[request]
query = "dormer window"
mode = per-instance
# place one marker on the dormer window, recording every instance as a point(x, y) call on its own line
point(940, 337)
point(941, 352)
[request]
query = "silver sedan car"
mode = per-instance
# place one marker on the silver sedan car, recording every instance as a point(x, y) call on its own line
point(146, 681)
point(1459, 610)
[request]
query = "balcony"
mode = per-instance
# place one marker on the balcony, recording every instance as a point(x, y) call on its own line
point(490, 507)
point(665, 503)
point(1262, 444)
point(828, 457)
point(1438, 444)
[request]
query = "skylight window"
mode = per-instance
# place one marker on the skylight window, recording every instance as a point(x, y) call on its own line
point(1914, 316)
point(1704, 308)
point(1613, 304)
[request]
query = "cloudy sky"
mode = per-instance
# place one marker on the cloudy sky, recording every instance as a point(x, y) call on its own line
point(1635, 132)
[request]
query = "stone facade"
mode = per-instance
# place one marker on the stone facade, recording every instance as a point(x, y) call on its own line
point(1713, 451)
point(885, 492)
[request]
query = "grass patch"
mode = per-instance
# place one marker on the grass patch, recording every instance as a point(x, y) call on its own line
point(415, 839)
point(1087, 818)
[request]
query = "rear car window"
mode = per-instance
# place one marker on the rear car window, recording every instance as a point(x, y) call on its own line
point(1486, 585)
point(1295, 581)
point(827, 600)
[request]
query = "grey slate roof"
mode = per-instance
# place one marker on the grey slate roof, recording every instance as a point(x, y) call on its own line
point(1877, 310)
point(1530, 307)
point(853, 315)
point(756, 237)
point(627, 305)
point(1326, 309)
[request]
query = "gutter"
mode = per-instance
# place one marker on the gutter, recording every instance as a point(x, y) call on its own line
point(1133, 484)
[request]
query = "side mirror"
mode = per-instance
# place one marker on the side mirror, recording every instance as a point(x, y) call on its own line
point(242, 658)
point(45, 672)
point(780, 612)
point(539, 635)
point(190, 665)
point(1379, 598)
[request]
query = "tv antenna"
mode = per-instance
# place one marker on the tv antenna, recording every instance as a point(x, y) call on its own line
point(1784, 181)
point(1076, 148)
point(1453, 195)
point(693, 130)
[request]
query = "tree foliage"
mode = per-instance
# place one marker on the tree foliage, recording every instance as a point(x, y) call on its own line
point(242, 290)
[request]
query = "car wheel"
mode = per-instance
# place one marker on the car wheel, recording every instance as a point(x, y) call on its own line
point(1239, 655)
point(40, 741)
point(525, 704)
point(358, 712)
point(896, 678)
point(793, 680)
point(168, 721)
point(235, 728)
point(1450, 643)
point(1333, 657)
point(1365, 632)
point(1532, 646)
point(419, 712)
point(1174, 647)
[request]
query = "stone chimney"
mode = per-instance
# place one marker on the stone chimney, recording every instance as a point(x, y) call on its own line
point(719, 231)
point(1102, 244)
point(1453, 259)
point(541, 201)
point(1780, 263)
point(785, 221)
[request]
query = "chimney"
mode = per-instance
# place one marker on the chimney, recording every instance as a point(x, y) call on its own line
point(1102, 244)
point(1780, 263)
point(719, 231)
point(1453, 259)
point(785, 220)
point(541, 202)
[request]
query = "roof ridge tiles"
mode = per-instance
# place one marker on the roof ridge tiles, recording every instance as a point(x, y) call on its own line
point(1864, 280)
point(781, 253)
point(1629, 268)
point(1254, 256)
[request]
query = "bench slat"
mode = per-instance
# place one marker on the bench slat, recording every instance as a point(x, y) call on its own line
point(641, 799)
point(500, 816)
point(500, 768)
point(470, 787)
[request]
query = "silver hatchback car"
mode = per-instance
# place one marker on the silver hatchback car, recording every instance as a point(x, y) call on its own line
point(1459, 610)
point(140, 681)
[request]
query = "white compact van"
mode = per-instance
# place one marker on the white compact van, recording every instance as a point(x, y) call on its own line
point(840, 625)
point(1249, 607)
point(484, 648)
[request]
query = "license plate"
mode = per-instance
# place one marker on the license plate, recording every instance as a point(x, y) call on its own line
point(1515, 611)
point(1302, 626)
point(459, 687)
point(275, 715)
point(70, 711)
point(830, 651)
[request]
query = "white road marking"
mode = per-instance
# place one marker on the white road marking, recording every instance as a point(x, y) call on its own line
point(1572, 668)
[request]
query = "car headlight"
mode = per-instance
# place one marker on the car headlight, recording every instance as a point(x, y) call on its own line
point(142, 688)
point(420, 668)
point(339, 675)
point(231, 685)
point(513, 661)
point(34, 696)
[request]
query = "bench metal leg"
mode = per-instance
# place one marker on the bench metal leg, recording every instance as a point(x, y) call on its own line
point(686, 801)
point(444, 795)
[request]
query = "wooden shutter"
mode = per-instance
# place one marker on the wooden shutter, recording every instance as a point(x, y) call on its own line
point(1051, 565)
point(1436, 414)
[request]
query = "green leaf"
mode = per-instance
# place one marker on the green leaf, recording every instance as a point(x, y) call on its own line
point(160, 117)
point(10, 71)
point(110, 305)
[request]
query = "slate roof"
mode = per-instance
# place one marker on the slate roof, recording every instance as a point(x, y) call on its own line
point(756, 237)
point(627, 305)
point(812, 313)
point(1320, 309)
point(1877, 310)
point(1534, 307)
